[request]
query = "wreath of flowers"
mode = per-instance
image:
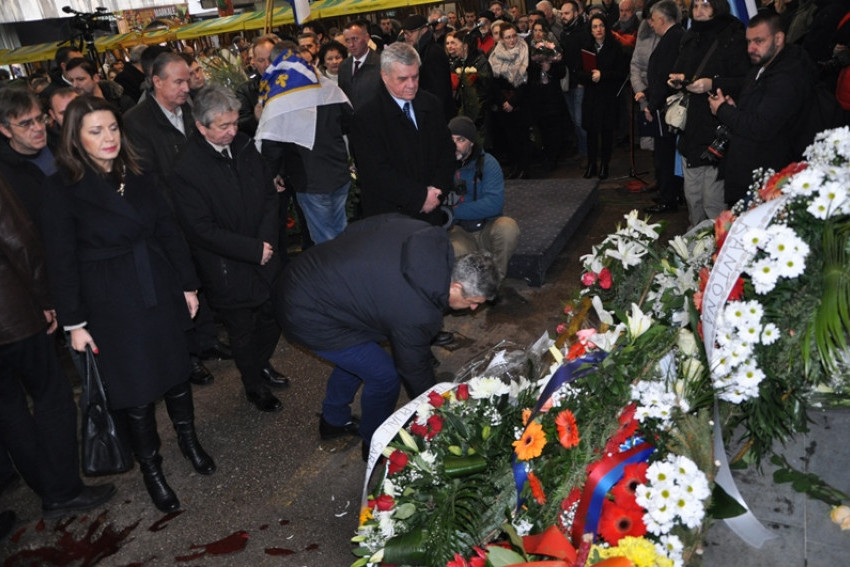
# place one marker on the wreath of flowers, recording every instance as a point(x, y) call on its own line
point(599, 449)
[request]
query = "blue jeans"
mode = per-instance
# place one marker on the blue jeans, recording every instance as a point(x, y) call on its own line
point(574, 98)
point(325, 213)
point(373, 367)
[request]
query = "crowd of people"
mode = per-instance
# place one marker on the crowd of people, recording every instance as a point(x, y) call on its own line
point(146, 211)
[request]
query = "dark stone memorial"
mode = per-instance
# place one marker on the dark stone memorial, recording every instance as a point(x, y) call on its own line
point(548, 212)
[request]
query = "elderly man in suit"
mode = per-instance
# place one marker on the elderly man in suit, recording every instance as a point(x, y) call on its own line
point(227, 206)
point(402, 146)
point(359, 74)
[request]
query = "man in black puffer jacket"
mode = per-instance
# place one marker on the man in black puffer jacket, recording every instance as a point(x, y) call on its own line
point(385, 278)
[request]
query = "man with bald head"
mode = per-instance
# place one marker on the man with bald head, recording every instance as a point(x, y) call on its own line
point(628, 22)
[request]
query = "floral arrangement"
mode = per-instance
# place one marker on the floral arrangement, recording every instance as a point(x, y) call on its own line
point(599, 450)
point(465, 79)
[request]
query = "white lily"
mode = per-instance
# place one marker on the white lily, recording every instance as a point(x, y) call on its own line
point(680, 247)
point(604, 316)
point(638, 322)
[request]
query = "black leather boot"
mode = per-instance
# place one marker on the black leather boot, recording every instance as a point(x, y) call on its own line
point(591, 171)
point(141, 422)
point(181, 410)
point(603, 171)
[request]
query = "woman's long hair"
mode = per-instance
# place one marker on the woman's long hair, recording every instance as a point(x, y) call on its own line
point(72, 159)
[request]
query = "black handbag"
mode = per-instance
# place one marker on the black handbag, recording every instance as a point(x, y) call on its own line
point(103, 450)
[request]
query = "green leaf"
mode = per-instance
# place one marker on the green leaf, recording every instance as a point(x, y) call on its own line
point(724, 506)
point(404, 511)
point(500, 557)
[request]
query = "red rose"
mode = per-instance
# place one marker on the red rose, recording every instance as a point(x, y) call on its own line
point(462, 392)
point(418, 429)
point(397, 462)
point(588, 278)
point(435, 425)
point(382, 503)
point(605, 280)
point(435, 399)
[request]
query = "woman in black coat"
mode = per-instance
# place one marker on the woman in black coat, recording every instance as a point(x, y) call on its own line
point(720, 37)
point(602, 83)
point(122, 279)
point(546, 68)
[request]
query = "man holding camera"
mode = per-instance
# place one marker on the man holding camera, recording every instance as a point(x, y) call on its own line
point(761, 123)
point(477, 199)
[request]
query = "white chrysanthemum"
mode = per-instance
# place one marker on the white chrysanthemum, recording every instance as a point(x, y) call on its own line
point(671, 547)
point(749, 374)
point(428, 458)
point(764, 275)
point(423, 412)
point(660, 473)
point(733, 395)
point(769, 334)
point(485, 388)
point(386, 525)
point(754, 238)
point(721, 364)
point(804, 183)
point(753, 311)
point(735, 313)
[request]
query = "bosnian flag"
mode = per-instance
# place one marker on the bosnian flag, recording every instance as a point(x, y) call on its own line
point(743, 9)
point(291, 89)
point(301, 9)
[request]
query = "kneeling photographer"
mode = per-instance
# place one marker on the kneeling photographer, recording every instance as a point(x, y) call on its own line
point(475, 204)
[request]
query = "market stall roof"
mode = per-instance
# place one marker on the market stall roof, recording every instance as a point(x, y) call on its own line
point(230, 24)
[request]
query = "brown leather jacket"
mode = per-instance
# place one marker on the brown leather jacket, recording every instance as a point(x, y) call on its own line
point(23, 281)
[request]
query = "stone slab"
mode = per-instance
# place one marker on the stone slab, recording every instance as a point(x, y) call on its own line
point(548, 212)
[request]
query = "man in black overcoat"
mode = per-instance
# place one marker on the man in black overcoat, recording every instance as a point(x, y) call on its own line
point(227, 206)
point(401, 144)
point(157, 128)
point(360, 72)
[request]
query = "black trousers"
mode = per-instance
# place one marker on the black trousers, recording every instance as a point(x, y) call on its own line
point(254, 334)
point(41, 443)
point(664, 160)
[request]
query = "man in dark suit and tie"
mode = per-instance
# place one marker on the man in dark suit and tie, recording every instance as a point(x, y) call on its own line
point(359, 74)
point(401, 144)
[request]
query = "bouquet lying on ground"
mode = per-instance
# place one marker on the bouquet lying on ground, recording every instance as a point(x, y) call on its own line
point(600, 450)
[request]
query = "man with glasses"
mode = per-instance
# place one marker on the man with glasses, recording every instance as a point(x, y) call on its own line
point(25, 159)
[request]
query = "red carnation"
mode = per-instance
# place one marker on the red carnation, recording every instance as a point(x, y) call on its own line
point(605, 279)
point(588, 278)
point(617, 522)
point(462, 392)
point(435, 399)
point(397, 462)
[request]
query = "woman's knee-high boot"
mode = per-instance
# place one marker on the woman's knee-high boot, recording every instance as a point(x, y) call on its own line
point(178, 401)
point(141, 422)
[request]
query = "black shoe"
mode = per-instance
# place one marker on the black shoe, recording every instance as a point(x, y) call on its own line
point(7, 522)
point(90, 497)
point(274, 378)
point(200, 376)
point(264, 401)
point(328, 431)
point(443, 338)
point(219, 351)
point(603, 171)
point(591, 171)
point(661, 208)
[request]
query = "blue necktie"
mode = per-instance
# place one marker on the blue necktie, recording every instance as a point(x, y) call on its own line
point(406, 109)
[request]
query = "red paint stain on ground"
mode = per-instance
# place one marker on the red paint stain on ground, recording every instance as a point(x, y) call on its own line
point(162, 523)
point(231, 544)
point(278, 551)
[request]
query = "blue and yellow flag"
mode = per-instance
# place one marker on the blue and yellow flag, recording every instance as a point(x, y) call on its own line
point(291, 90)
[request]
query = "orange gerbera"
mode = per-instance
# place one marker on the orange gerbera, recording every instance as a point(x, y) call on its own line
point(536, 488)
point(531, 444)
point(567, 429)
